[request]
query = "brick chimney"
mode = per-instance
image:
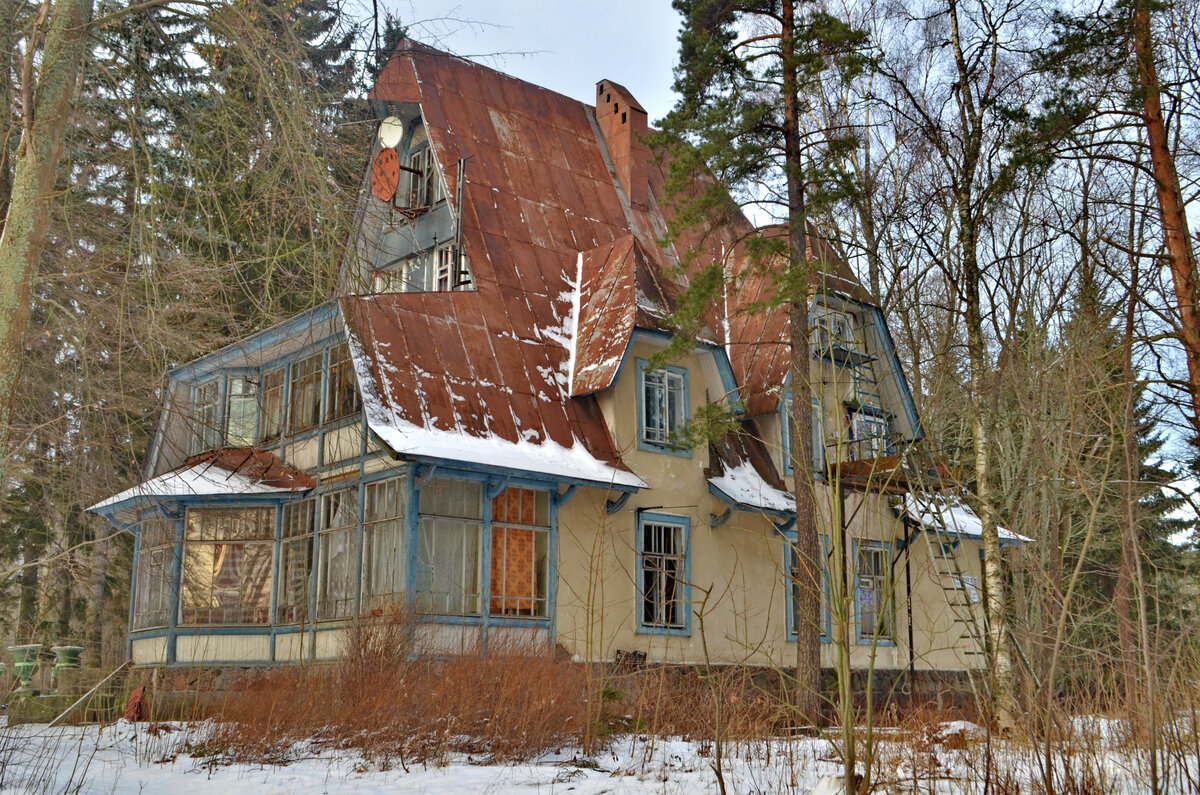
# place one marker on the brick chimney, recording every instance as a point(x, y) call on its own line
point(624, 125)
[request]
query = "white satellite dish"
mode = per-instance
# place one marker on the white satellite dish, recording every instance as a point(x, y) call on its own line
point(391, 130)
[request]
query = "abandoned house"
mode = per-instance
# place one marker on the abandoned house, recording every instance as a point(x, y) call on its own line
point(475, 427)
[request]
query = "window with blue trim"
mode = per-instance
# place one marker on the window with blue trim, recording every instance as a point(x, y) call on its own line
point(662, 407)
point(228, 566)
point(663, 592)
point(337, 554)
point(872, 592)
point(295, 562)
point(383, 569)
point(206, 419)
point(868, 434)
point(152, 586)
point(449, 547)
point(795, 572)
point(241, 411)
point(817, 438)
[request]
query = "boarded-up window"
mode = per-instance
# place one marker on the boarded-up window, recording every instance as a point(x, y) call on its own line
point(228, 560)
point(520, 553)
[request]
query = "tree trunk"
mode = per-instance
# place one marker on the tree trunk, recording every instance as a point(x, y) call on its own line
point(808, 585)
point(1170, 203)
point(973, 130)
point(9, 9)
point(28, 216)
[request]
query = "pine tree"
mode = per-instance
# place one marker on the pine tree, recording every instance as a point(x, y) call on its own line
point(747, 72)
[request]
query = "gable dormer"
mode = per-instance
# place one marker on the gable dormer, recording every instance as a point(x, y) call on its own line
point(407, 236)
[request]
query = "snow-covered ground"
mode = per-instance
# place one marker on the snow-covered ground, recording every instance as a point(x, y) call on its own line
point(136, 758)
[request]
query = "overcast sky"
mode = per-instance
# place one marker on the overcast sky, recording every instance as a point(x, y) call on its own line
point(564, 45)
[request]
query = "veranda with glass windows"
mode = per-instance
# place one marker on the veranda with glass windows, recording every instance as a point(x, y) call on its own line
point(270, 580)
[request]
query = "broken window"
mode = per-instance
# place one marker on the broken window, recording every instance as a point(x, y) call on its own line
point(383, 543)
point(228, 560)
point(306, 394)
point(438, 270)
point(295, 562)
point(337, 555)
point(423, 184)
point(832, 332)
point(449, 537)
point(520, 553)
point(341, 396)
point(869, 435)
point(664, 407)
point(156, 556)
point(871, 597)
point(662, 574)
point(241, 412)
point(206, 425)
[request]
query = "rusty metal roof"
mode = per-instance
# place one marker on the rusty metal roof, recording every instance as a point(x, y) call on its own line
point(547, 225)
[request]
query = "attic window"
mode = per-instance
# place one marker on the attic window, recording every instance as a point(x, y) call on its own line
point(420, 180)
point(434, 271)
point(623, 118)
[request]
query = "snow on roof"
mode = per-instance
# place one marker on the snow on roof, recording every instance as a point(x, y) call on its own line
point(197, 480)
point(384, 404)
point(743, 486)
point(950, 514)
point(545, 458)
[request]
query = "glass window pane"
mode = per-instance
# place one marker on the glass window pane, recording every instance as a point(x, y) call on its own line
point(272, 404)
point(306, 394)
point(448, 566)
point(342, 398)
point(384, 543)
point(241, 412)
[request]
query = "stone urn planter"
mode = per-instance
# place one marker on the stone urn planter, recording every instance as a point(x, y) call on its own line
point(65, 657)
point(25, 665)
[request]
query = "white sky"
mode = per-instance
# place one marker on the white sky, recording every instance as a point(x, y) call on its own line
point(564, 45)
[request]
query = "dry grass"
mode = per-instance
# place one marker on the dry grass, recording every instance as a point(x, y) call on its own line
point(511, 703)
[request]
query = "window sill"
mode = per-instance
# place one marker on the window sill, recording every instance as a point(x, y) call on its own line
point(679, 632)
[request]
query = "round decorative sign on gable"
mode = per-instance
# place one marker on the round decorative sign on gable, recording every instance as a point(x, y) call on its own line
point(385, 174)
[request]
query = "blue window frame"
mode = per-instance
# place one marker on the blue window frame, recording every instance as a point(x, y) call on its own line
point(792, 561)
point(206, 416)
point(874, 606)
point(663, 405)
point(663, 574)
point(869, 435)
point(818, 435)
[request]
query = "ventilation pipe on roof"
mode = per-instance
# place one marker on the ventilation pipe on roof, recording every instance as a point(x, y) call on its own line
point(625, 125)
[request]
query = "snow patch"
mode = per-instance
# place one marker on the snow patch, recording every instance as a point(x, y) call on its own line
point(952, 515)
point(745, 486)
point(199, 480)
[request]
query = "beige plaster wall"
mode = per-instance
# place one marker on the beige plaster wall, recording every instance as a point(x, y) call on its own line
point(738, 570)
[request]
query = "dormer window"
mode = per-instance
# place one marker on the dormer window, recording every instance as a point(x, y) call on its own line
point(437, 270)
point(662, 408)
point(421, 185)
point(832, 333)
